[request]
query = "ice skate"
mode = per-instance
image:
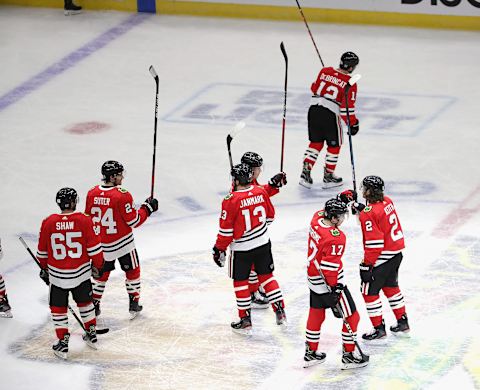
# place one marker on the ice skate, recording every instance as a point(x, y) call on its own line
point(350, 360)
point(90, 337)
point(5, 309)
point(71, 9)
point(135, 307)
point(61, 348)
point(243, 326)
point(331, 180)
point(305, 177)
point(312, 357)
point(259, 301)
point(402, 328)
point(280, 315)
point(377, 333)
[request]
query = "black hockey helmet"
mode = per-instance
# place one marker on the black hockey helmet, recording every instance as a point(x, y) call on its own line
point(348, 59)
point(110, 168)
point(253, 159)
point(243, 173)
point(334, 208)
point(67, 198)
point(374, 183)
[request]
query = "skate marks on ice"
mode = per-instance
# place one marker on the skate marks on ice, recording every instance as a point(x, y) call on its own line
point(183, 338)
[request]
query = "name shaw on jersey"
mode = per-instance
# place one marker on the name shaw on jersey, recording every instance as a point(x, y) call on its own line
point(251, 201)
point(70, 225)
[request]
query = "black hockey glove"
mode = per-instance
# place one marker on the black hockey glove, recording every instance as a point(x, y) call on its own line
point(355, 128)
point(337, 311)
point(357, 207)
point(44, 276)
point(97, 272)
point(279, 180)
point(218, 256)
point(151, 205)
point(366, 273)
point(347, 196)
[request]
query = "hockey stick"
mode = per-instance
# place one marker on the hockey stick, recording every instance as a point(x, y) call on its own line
point(347, 325)
point(282, 48)
point(238, 127)
point(99, 331)
point(309, 32)
point(155, 76)
point(350, 84)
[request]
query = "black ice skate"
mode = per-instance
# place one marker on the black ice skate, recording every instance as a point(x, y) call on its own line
point(312, 357)
point(259, 301)
point(402, 328)
point(377, 333)
point(70, 8)
point(305, 177)
point(5, 309)
point(90, 337)
point(243, 326)
point(331, 180)
point(135, 307)
point(280, 315)
point(61, 348)
point(350, 360)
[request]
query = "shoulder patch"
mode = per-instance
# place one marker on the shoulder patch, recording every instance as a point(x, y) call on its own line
point(320, 213)
point(122, 190)
point(335, 232)
point(230, 195)
point(367, 209)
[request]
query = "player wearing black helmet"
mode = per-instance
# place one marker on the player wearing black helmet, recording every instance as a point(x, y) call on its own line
point(327, 107)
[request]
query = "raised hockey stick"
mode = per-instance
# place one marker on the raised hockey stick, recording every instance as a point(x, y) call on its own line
point(155, 76)
point(237, 128)
point(309, 32)
point(282, 48)
point(99, 331)
point(347, 325)
point(350, 83)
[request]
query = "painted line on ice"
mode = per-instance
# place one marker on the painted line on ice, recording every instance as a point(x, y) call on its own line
point(70, 61)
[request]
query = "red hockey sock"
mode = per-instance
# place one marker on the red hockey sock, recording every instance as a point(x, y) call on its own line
point(242, 293)
point(347, 337)
point(331, 158)
point(374, 308)
point(98, 286)
point(132, 282)
point(395, 299)
point(60, 320)
point(272, 289)
point(311, 153)
point(314, 323)
point(87, 312)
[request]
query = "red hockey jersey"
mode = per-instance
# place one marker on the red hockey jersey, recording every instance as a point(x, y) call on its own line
point(326, 245)
point(329, 91)
point(382, 232)
point(113, 210)
point(66, 245)
point(244, 219)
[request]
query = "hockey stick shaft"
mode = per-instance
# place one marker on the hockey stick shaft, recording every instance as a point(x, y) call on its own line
point(282, 48)
point(309, 32)
point(39, 266)
point(155, 76)
point(350, 83)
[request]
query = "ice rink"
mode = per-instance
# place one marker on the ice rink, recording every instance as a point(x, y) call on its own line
point(76, 91)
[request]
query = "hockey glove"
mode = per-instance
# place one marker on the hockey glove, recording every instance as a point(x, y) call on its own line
point(337, 311)
point(366, 273)
point(357, 208)
point(355, 128)
point(347, 196)
point(97, 272)
point(218, 256)
point(151, 205)
point(44, 276)
point(279, 180)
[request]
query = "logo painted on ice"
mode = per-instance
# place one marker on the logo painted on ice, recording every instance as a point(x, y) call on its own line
point(380, 113)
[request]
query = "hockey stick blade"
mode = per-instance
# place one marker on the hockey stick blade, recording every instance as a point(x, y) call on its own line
point(103, 330)
point(354, 79)
point(153, 72)
point(238, 127)
point(282, 48)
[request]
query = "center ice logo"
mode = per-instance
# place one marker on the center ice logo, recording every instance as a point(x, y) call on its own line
point(381, 113)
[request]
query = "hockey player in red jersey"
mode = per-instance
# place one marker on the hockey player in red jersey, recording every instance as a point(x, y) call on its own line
point(383, 243)
point(112, 208)
point(5, 309)
point(324, 124)
point(69, 253)
point(259, 299)
point(326, 245)
point(244, 219)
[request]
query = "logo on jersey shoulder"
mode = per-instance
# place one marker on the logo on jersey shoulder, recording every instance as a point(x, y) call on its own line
point(335, 232)
point(367, 209)
point(229, 196)
point(122, 190)
point(320, 213)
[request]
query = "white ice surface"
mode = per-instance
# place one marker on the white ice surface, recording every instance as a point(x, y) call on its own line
point(424, 79)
